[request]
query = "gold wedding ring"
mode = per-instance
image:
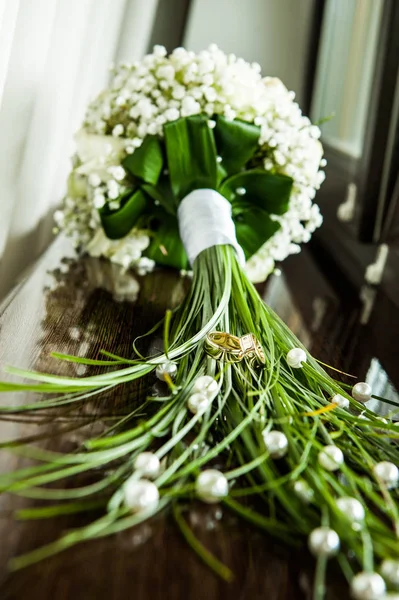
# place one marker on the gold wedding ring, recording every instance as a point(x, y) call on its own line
point(223, 346)
point(232, 349)
point(252, 349)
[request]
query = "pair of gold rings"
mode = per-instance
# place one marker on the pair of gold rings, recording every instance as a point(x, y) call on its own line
point(233, 349)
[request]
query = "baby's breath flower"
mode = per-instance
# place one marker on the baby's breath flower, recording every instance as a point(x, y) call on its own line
point(99, 200)
point(117, 172)
point(118, 130)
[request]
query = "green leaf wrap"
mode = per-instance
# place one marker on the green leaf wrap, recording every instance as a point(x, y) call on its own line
point(191, 155)
point(236, 143)
point(147, 161)
point(166, 247)
point(265, 190)
point(118, 223)
point(165, 171)
point(253, 227)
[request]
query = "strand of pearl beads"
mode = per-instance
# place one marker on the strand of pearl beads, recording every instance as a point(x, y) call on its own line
point(211, 486)
point(361, 392)
point(303, 490)
point(148, 465)
point(352, 510)
point(165, 370)
point(276, 443)
point(330, 458)
point(206, 385)
point(323, 541)
point(141, 495)
point(390, 571)
point(295, 358)
point(387, 472)
point(368, 586)
point(340, 401)
point(205, 389)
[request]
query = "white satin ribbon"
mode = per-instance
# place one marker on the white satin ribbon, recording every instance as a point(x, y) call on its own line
point(204, 221)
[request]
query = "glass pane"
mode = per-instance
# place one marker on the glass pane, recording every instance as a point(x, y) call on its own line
point(345, 70)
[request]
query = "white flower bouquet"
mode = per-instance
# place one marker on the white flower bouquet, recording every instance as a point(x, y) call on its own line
point(197, 161)
point(141, 101)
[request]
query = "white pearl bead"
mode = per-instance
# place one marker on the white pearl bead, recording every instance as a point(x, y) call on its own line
point(211, 486)
point(148, 464)
point(363, 416)
point(331, 458)
point(367, 586)
point(167, 368)
point(361, 391)
point(387, 472)
point(198, 403)
point(206, 385)
point(276, 443)
point(241, 191)
point(323, 541)
point(352, 509)
point(295, 357)
point(390, 571)
point(303, 491)
point(340, 401)
point(141, 495)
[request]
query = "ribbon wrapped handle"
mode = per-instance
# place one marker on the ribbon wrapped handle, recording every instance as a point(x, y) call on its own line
point(192, 156)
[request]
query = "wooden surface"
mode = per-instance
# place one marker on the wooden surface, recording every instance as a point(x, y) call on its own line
point(82, 306)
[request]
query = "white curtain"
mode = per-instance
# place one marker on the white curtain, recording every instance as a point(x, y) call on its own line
point(54, 57)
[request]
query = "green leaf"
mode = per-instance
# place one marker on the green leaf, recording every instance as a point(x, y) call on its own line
point(118, 223)
point(253, 228)
point(147, 161)
point(166, 247)
point(162, 193)
point(236, 142)
point(268, 191)
point(221, 174)
point(191, 154)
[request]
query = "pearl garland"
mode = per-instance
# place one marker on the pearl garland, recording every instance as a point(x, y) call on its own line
point(352, 509)
point(331, 458)
point(148, 464)
point(361, 392)
point(324, 541)
point(206, 385)
point(390, 571)
point(276, 443)
point(340, 401)
point(367, 586)
point(141, 495)
point(303, 490)
point(387, 472)
point(211, 486)
point(167, 368)
point(296, 357)
point(198, 403)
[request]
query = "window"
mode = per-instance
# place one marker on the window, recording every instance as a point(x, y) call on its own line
point(356, 83)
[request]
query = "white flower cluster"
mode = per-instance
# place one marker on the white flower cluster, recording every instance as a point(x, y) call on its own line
point(145, 95)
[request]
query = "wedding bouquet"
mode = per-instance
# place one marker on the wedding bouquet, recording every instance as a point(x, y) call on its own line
point(197, 162)
point(170, 125)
